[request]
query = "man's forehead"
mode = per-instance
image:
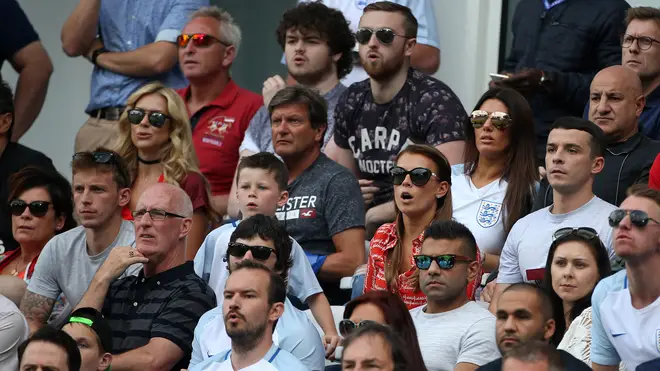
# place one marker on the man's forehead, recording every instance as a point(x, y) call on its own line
point(256, 241)
point(518, 300)
point(302, 32)
point(643, 27)
point(442, 246)
point(568, 136)
point(257, 281)
point(379, 19)
point(290, 109)
point(154, 199)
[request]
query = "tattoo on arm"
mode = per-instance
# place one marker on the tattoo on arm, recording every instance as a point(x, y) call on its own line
point(36, 308)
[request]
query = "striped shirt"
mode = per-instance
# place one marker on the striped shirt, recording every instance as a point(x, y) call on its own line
point(166, 305)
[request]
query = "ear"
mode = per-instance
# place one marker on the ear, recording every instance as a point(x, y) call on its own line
point(442, 190)
point(284, 197)
point(473, 270)
point(124, 196)
point(640, 102)
point(59, 222)
point(319, 133)
point(229, 56)
point(186, 226)
point(5, 123)
point(549, 330)
point(106, 361)
point(336, 57)
point(409, 46)
point(597, 165)
point(276, 312)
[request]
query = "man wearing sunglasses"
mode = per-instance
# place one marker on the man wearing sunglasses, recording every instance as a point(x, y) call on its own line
point(376, 118)
point(626, 314)
point(453, 332)
point(220, 110)
point(129, 44)
point(152, 315)
point(68, 262)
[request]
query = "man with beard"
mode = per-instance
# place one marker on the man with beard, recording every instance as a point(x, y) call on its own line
point(376, 118)
point(254, 301)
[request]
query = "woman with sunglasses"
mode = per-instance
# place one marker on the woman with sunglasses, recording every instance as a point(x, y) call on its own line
point(422, 194)
point(576, 262)
point(384, 308)
point(496, 187)
point(156, 144)
point(41, 206)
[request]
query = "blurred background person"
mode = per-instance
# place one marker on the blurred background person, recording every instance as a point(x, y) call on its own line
point(93, 334)
point(49, 349)
point(374, 346)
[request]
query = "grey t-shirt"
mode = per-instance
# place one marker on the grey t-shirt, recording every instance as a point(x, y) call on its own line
point(64, 265)
point(259, 138)
point(324, 200)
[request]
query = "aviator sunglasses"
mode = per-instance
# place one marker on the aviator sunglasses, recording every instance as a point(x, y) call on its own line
point(419, 176)
point(584, 232)
point(500, 120)
point(346, 326)
point(258, 252)
point(446, 261)
point(199, 40)
point(156, 119)
point(637, 217)
point(384, 35)
point(37, 208)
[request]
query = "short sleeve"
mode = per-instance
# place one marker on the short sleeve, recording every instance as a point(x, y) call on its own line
point(602, 350)
point(195, 187)
point(344, 206)
point(248, 143)
point(443, 118)
point(44, 280)
point(509, 270)
point(14, 331)
point(427, 30)
point(343, 112)
point(16, 26)
point(177, 17)
point(478, 345)
point(302, 280)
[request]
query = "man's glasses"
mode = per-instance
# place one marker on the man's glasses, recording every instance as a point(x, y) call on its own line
point(419, 176)
point(98, 157)
point(239, 250)
point(644, 42)
point(384, 35)
point(346, 326)
point(500, 120)
point(638, 218)
point(584, 232)
point(155, 214)
point(37, 208)
point(200, 40)
point(446, 261)
point(156, 119)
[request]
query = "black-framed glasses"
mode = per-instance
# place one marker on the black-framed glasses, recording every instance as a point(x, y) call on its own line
point(500, 120)
point(644, 42)
point(384, 35)
point(156, 119)
point(419, 176)
point(239, 250)
point(101, 157)
point(37, 208)
point(200, 40)
point(584, 232)
point(638, 218)
point(346, 326)
point(446, 261)
point(155, 214)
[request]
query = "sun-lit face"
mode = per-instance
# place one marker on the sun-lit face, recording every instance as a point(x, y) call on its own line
point(258, 192)
point(146, 137)
point(574, 271)
point(491, 141)
point(382, 61)
point(35, 230)
point(369, 352)
point(308, 57)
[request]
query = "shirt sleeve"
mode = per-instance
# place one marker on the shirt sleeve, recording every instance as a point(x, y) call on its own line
point(427, 31)
point(478, 345)
point(177, 18)
point(44, 280)
point(14, 332)
point(195, 187)
point(602, 350)
point(509, 270)
point(302, 280)
point(442, 118)
point(197, 356)
point(343, 112)
point(344, 206)
point(15, 24)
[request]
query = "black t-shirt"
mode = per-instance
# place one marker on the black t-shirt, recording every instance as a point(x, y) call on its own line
point(17, 30)
point(14, 158)
point(424, 111)
point(569, 362)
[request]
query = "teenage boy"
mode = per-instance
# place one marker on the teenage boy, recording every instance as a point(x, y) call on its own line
point(92, 333)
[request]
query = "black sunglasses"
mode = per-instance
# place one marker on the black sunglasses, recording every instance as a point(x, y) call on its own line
point(384, 35)
point(239, 250)
point(155, 214)
point(446, 261)
point(156, 119)
point(37, 208)
point(584, 232)
point(346, 326)
point(98, 157)
point(638, 218)
point(419, 176)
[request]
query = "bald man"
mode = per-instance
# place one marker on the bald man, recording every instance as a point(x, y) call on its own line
point(153, 315)
point(616, 101)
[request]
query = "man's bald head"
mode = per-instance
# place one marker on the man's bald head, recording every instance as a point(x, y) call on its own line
point(623, 77)
point(170, 197)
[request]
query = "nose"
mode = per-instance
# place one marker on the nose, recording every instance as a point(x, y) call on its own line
point(373, 41)
point(248, 255)
point(26, 214)
point(568, 271)
point(625, 223)
point(145, 120)
point(634, 47)
point(509, 324)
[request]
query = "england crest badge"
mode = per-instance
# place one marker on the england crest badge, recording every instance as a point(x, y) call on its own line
point(657, 339)
point(489, 213)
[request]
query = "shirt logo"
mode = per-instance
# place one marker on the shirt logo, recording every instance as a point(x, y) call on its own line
point(617, 335)
point(307, 213)
point(216, 130)
point(361, 4)
point(489, 213)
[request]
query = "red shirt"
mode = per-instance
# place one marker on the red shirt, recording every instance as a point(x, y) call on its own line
point(218, 130)
point(654, 175)
point(9, 257)
point(385, 239)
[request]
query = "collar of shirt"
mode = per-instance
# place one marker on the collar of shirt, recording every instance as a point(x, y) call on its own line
point(626, 147)
point(224, 100)
point(169, 275)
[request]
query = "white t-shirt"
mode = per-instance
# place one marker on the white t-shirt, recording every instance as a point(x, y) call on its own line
point(619, 332)
point(462, 335)
point(13, 332)
point(480, 209)
point(526, 248)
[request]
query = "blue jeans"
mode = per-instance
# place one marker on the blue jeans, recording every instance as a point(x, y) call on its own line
point(358, 285)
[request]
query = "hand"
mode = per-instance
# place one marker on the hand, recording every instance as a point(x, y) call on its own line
point(96, 44)
point(488, 292)
point(271, 86)
point(542, 172)
point(368, 190)
point(330, 342)
point(493, 83)
point(527, 81)
point(120, 258)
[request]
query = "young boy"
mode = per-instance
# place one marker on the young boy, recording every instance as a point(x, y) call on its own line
point(261, 181)
point(93, 335)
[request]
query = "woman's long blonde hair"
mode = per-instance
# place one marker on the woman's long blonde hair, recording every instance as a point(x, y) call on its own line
point(178, 154)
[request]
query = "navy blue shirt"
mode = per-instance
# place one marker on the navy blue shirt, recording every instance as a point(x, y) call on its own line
point(16, 30)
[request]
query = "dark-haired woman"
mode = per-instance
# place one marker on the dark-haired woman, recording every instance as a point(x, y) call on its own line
point(496, 186)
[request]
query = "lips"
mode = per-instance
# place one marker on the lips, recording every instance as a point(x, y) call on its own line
point(143, 135)
point(25, 227)
point(406, 196)
point(557, 171)
point(252, 204)
point(146, 236)
point(234, 317)
point(299, 60)
point(567, 286)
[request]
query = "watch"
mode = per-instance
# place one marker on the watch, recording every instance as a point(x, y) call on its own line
point(96, 53)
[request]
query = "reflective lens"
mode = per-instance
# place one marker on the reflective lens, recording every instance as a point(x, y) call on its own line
point(637, 217)
point(346, 326)
point(584, 232)
point(37, 208)
point(199, 40)
point(448, 261)
point(384, 35)
point(500, 120)
point(156, 119)
point(258, 252)
point(419, 176)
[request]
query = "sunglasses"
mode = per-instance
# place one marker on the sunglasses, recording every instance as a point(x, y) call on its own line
point(384, 35)
point(155, 214)
point(447, 261)
point(258, 252)
point(346, 326)
point(637, 217)
point(584, 232)
point(37, 208)
point(98, 157)
point(200, 40)
point(419, 176)
point(156, 119)
point(500, 120)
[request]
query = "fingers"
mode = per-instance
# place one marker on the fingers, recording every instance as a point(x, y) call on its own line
point(542, 172)
point(488, 292)
point(271, 86)
point(330, 343)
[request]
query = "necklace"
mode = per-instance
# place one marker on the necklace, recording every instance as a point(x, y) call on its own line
point(148, 162)
point(15, 271)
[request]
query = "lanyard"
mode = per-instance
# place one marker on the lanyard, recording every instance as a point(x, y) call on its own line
point(547, 4)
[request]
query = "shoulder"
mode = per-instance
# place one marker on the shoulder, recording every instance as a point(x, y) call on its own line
point(495, 365)
point(28, 156)
point(572, 363)
point(614, 283)
point(523, 223)
point(210, 316)
point(602, 205)
point(354, 94)
point(384, 234)
point(331, 169)
point(193, 180)
point(477, 313)
point(66, 241)
point(287, 361)
point(431, 88)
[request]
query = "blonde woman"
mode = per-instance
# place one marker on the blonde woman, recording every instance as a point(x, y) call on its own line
point(156, 143)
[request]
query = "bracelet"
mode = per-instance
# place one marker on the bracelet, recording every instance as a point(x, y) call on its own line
point(96, 53)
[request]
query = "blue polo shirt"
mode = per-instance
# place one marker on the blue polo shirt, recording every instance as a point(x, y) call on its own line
point(275, 359)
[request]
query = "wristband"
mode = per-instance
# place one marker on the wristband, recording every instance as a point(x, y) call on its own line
point(96, 53)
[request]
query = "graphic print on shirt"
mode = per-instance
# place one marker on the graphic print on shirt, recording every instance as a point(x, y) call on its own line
point(379, 142)
point(657, 339)
point(298, 207)
point(489, 213)
point(361, 4)
point(217, 128)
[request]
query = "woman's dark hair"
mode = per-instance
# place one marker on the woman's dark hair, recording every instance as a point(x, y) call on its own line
point(54, 183)
point(397, 317)
point(443, 209)
point(59, 338)
point(604, 269)
point(520, 172)
point(399, 353)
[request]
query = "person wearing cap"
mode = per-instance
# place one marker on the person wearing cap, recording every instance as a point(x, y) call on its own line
point(92, 333)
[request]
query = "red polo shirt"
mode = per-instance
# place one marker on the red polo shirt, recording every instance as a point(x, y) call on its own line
point(218, 130)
